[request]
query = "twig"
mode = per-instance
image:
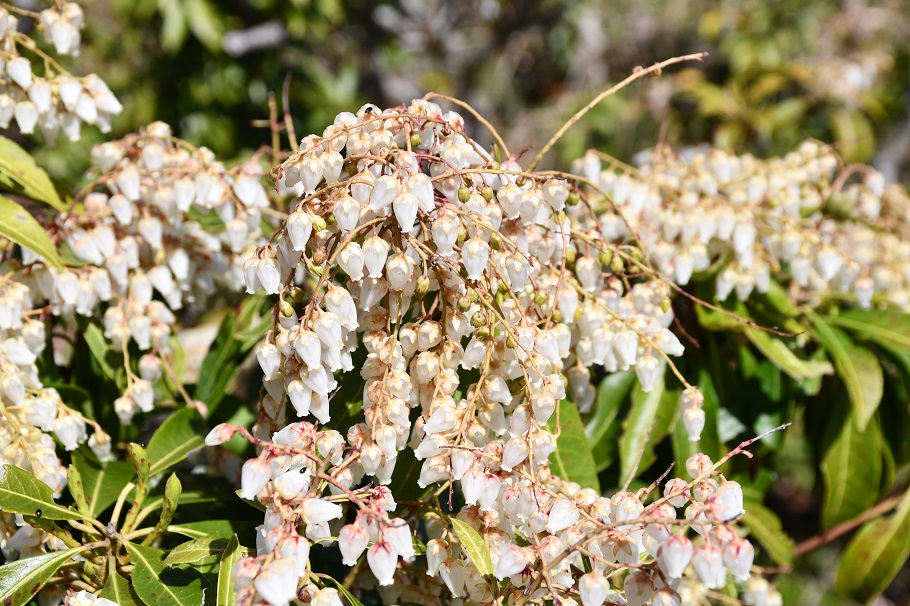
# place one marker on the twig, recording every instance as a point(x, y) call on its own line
point(285, 107)
point(843, 528)
point(476, 115)
point(636, 74)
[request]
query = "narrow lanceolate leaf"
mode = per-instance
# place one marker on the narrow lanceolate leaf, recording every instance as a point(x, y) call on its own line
point(198, 530)
point(158, 585)
point(852, 471)
point(22, 579)
point(180, 434)
point(347, 594)
point(474, 546)
point(21, 227)
point(102, 482)
point(603, 428)
point(648, 421)
point(21, 492)
point(783, 357)
point(117, 589)
point(875, 555)
point(886, 327)
point(572, 460)
point(765, 526)
point(198, 550)
point(19, 174)
point(857, 367)
point(229, 557)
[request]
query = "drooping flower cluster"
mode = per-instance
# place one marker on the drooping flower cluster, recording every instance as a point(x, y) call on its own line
point(161, 225)
point(819, 230)
point(55, 99)
point(471, 298)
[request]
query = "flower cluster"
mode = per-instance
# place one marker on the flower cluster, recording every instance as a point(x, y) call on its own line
point(821, 231)
point(161, 225)
point(472, 298)
point(55, 100)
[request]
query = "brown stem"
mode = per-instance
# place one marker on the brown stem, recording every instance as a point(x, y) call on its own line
point(843, 528)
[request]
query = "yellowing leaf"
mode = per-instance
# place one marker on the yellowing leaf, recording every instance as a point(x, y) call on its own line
point(474, 546)
point(19, 174)
point(21, 227)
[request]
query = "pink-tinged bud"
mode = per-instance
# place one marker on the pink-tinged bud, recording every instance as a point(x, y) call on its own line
point(437, 553)
point(220, 434)
point(625, 506)
point(383, 559)
point(512, 561)
point(296, 549)
point(254, 475)
point(694, 422)
point(398, 535)
point(474, 254)
point(679, 488)
point(317, 511)
point(675, 555)
point(738, 556)
point(277, 583)
point(666, 597)
point(638, 588)
point(514, 453)
point(352, 541)
point(727, 502)
point(709, 566)
point(461, 463)
point(563, 514)
point(698, 464)
point(270, 360)
point(593, 589)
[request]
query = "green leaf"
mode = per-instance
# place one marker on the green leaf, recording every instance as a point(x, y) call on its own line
point(156, 584)
point(572, 460)
point(21, 227)
point(709, 443)
point(783, 357)
point(857, 367)
point(229, 557)
point(197, 550)
point(204, 23)
point(652, 413)
point(109, 359)
point(172, 490)
point(474, 545)
point(887, 327)
point(180, 434)
point(102, 483)
point(20, 175)
point(875, 555)
point(852, 471)
point(21, 492)
point(603, 429)
point(347, 594)
point(765, 526)
point(22, 579)
point(118, 590)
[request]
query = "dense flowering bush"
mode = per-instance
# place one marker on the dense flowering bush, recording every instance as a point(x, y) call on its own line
point(434, 323)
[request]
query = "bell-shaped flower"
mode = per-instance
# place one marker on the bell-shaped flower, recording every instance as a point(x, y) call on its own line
point(383, 559)
point(709, 566)
point(254, 475)
point(674, 555)
point(738, 556)
point(316, 511)
point(277, 583)
point(352, 541)
point(593, 589)
point(474, 255)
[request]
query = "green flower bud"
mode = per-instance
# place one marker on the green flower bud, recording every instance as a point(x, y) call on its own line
point(464, 194)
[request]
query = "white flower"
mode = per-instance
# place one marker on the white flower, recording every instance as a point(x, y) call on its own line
point(352, 541)
point(709, 566)
point(277, 583)
point(383, 560)
point(593, 589)
point(738, 556)
point(20, 71)
point(316, 511)
point(405, 206)
point(254, 475)
point(474, 254)
point(674, 555)
point(512, 561)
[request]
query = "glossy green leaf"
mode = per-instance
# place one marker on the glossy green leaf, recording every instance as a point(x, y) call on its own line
point(887, 327)
point(197, 530)
point(22, 579)
point(344, 591)
point(229, 557)
point(20, 175)
point(776, 350)
point(102, 483)
point(172, 490)
point(852, 471)
point(118, 590)
point(572, 460)
point(204, 22)
point(474, 545)
point(158, 585)
point(765, 526)
point(857, 367)
point(603, 428)
point(197, 550)
point(108, 358)
point(648, 421)
point(21, 227)
point(21, 492)
point(182, 433)
point(875, 555)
